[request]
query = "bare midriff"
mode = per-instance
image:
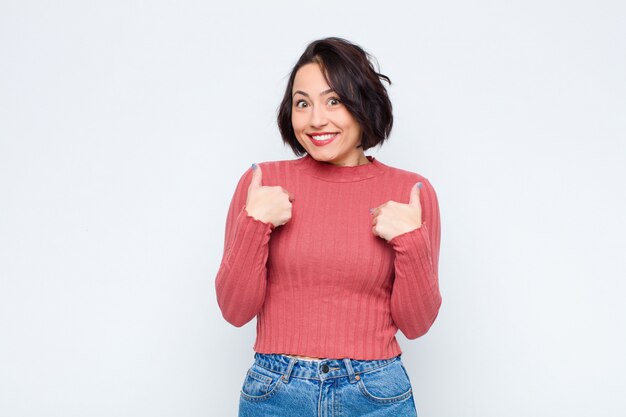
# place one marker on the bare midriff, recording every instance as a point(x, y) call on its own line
point(309, 358)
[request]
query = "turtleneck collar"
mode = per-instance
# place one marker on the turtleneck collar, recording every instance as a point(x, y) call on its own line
point(333, 173)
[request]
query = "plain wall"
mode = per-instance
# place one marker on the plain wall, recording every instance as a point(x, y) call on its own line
point(125, 125)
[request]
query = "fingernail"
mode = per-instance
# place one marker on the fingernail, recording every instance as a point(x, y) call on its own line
point(419, 185)
point(371, 210)
point(253, 166)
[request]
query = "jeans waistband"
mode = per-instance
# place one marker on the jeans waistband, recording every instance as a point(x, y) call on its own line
point(319, 369)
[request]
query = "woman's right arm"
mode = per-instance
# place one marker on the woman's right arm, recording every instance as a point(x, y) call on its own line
point(242, 277)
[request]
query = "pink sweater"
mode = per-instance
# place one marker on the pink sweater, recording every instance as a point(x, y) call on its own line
point(323, 284)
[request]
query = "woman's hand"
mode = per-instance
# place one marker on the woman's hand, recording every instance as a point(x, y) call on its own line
point(392, 218)
point(268, 204)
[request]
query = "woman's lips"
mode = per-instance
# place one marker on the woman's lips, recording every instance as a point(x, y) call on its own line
point(317, 142)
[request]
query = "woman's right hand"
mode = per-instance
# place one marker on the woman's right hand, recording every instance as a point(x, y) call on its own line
point(266, 203)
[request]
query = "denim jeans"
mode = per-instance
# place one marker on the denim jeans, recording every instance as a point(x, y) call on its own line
point(282, 386)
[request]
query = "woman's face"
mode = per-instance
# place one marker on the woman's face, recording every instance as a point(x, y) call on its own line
point(322, 124)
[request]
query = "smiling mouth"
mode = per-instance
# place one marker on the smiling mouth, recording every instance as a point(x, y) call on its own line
point(323, 140)
point(323, 137)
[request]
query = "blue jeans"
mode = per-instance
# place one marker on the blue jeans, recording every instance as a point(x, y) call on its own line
point(281, 386)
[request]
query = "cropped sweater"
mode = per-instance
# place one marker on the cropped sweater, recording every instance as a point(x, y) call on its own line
point(323, 284)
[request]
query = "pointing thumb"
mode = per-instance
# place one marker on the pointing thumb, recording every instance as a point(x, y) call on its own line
point(415, 194)
point(257, 176)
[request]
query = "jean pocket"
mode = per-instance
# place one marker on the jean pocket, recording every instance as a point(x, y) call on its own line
point(260, 384)
point(387, 384)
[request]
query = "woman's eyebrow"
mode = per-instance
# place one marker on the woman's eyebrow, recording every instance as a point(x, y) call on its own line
point(330, 90)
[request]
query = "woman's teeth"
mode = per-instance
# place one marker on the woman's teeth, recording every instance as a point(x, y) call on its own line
point(325, 137)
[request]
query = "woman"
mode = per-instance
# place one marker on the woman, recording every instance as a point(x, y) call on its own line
point(332, 252)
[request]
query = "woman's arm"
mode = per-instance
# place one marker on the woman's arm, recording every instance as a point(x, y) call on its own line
point(241, 280)
point(415, 297)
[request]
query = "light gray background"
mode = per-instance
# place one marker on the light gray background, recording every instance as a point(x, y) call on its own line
point(125, 126)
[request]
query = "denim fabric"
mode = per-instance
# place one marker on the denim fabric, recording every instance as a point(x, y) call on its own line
point(282, 386)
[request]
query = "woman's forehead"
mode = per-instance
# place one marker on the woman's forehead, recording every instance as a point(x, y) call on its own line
point(309, 79)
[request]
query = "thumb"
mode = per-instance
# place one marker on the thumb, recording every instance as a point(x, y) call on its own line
point(257, 176)
point(415, 194)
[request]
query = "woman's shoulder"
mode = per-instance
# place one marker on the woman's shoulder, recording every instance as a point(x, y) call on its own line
point(272, 170)
point(276, 166)
point(396, 173)
point(278, 163)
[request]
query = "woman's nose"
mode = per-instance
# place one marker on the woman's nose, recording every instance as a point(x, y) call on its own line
point(318, 116)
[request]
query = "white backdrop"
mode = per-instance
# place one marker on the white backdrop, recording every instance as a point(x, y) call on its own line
point(125, 126)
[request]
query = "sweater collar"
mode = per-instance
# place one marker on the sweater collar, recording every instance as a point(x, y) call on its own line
point(333, 173)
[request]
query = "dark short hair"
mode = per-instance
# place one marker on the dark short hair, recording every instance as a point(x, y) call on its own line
point(350, 73)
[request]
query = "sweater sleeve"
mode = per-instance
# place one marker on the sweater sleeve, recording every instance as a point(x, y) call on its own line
point(241, 279)
point(415, 297)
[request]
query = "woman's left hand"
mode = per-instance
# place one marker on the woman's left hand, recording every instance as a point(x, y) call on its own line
point(392, 218)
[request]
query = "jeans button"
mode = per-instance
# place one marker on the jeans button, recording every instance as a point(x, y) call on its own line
point(325, 368)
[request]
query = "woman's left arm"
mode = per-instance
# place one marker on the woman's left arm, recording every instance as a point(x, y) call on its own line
point(415, 296)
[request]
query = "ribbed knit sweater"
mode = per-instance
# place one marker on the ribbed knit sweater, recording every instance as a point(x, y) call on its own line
point(323, 284)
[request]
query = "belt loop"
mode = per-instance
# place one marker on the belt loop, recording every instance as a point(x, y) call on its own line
point(292, 362)
point(351, 376)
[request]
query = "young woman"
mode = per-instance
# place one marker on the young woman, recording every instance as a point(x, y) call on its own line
point(333, 252)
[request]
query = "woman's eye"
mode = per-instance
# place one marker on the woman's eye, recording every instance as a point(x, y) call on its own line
point(336, 100)
point(300, 102)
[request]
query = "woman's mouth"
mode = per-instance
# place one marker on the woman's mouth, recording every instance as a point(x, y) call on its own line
point(321, 140)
